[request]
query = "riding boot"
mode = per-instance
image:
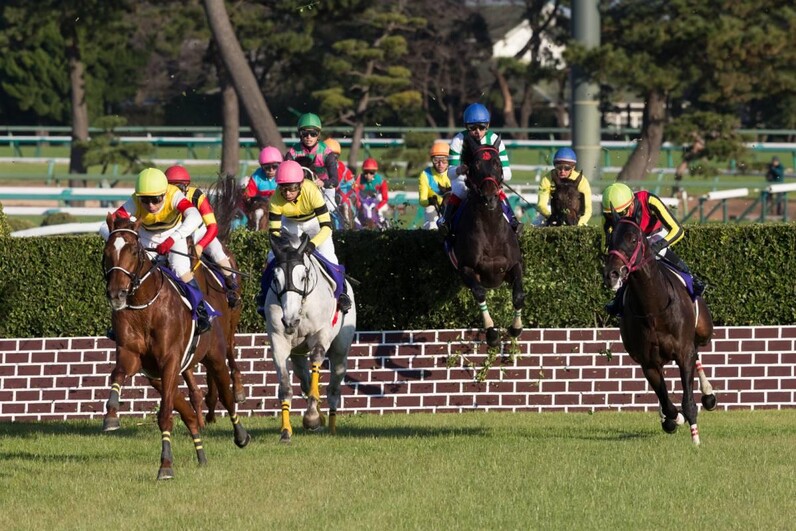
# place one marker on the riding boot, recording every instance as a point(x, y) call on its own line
point(203, 319)
point(259, 304)
point(233, 299)
point(515, 224)
point(344, 301)
point(677, 262)
point(111, 334)
point(444, 221)
point(615, 305)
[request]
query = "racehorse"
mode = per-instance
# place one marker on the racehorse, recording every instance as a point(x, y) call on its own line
point(303, 321)
point(485, 250)
point(566, 202)
point(256, 210)
point(154, 332)
point(659, 322)
point(368, 217)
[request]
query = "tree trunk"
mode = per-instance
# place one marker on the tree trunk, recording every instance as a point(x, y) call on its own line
point(645, 156)
point(77, 85)
point(260, 117)
point(508, 101)
point(230, 132)
point(359, 122)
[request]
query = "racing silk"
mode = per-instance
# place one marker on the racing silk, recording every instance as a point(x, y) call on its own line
point(547, 186)
point(202, 204)
point(175, 208)
point(260, 185)
point(651, 215)
point(347, 185)
point(324, 160)
point(489, 139)
point(376, 187)
point(309, 204)
point(430, 184)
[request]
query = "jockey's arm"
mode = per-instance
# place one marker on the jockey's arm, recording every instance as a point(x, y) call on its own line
point(330, 161)
point(545, 189)
point(191, 218)
point(455, 157)
point(585, 188)
point(674, 230)
point(385, 196)
point(208, 218)
point(504, 161)
point(423, 189)
point(251, 187)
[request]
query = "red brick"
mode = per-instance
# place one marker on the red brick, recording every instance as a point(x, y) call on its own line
point(42, 357)
point(567, 374)
point(593, 374)
point(381, 401)
point(81, 368)
point(779, 371)
point(566, 400)
point(579, 386)
point(513, 400)
point(739, 359)
point(39, 407)
point(788, 383)
point(7, 370)
point(448, 335)
point(435, 349)
point(12, 408)
point(780, 345)
point(709, 360)
point(65, 407)
point(753, 372)
point(726, 346)
point(69, 356)
point(80, 394)
point(753, 397)
point(620, 373)
point(41, 383)
point(408, 401)
point(739, 384)
point(633, 386)
point(397, 337)
point(582, 335)
point(767, 358)
point(594, 399)
point(766, 332)
point(788, 331)
point(540, 400)
point(481, 400)
point(421, 388)
point(553, 387)
point(526, 387)
point(15, 383)
point(17, 358)
point(29, 370)
point(782, 397)
point(739, 333)
point(369, 337)
point(30, 344)
point(753, 346)
point(565, 348)
point(435, 400)
point(554, 334)
point(54, 369)
point(447, 387)
point(8, 345)
point(606, 386)
point(260, 340)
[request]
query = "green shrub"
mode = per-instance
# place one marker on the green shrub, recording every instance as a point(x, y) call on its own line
point(58, 218)
point(20, 224)
point(5, 228)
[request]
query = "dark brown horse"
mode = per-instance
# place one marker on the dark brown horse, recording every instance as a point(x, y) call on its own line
point(566, 202)
point(154, 329)
point(486, 251)
point(659, 322)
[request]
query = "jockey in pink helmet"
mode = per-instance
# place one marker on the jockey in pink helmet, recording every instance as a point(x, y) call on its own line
point(262, 182)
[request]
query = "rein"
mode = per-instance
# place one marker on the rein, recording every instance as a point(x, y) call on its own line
point(136, 281)
point(287, 266)
point(634, 263)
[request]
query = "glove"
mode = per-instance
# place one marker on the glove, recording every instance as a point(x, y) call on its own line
point(657, 246)
point(309, 248)
point(433, 200)
point(328, 184)
point(462, 169)
point(165, 246)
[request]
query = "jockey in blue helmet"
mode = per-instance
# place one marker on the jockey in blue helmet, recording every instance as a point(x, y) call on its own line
point(476, 120)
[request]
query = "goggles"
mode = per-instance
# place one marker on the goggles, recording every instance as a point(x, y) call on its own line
point(292, 187)
point(269, 167)
point(151, 199)
point(564, 167)
point(437, 160)
point(313, 133)
point(477, 127)
point(368, 172)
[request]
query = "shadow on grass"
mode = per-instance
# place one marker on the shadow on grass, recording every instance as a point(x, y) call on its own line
point(361, 432)
point(88, 428)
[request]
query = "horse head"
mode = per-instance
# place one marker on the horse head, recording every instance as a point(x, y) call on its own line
point(123, 261)
point(628, 251)
point(294, 278)
point(484, 170)
point(566, 202)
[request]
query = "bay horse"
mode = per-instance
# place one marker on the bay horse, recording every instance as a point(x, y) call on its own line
point(485, 250)
point(154, 330)
point(566, 202)
point(303, 322)
point(659, 322)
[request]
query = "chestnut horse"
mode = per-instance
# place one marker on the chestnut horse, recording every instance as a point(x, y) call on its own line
point(486, 251)
point(566, 202)
point(659, 322)
point(154, 329)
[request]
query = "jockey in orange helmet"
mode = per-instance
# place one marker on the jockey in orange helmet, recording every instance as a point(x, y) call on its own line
point(434, 183)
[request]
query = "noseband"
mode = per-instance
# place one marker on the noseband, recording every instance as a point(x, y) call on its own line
point(639, 256)
point(485, 153)
point(288, 266)
point(135, 276)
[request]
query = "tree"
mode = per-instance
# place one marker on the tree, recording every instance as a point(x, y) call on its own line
point(367, 74)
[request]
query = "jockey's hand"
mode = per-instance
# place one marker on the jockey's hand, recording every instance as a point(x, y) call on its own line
point(658, 246)
point(328, 184)
point(199, 249)
point(433, 200)
point(309, 248)
point(462, 169)
point(165, 246)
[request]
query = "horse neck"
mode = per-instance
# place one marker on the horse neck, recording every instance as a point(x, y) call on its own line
point(650, 287)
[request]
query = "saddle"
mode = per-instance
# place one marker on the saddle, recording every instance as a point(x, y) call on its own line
point(685, 278)
point(190, 295)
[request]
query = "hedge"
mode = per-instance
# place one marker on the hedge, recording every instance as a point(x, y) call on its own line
point(53, 286)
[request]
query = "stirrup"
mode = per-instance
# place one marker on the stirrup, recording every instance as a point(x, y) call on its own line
point(344, 303)
point(233, 299)
point(613, 307)
point(111, 334)
point(202, 320)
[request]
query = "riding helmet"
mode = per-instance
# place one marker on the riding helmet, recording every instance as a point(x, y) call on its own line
point(618, 196)
point(334, 145)
point(370, 164)
point(178, 175)
point(309, 121)
point(289, 172)
point(270, 155)
point(440, 149)
point(475, 113)
point(565, 154)
point(151, 182)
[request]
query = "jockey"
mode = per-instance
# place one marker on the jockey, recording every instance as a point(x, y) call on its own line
point(345, 186)
point(374, 184)
point(324, 160)
point(564, 167)
point(476, 120)
point(659, 226)
point(205, 240)
point(263, 180)
point(299, 208)
point(167, 219)
point(434, 183)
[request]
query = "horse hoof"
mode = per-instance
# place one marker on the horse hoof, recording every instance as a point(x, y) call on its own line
point(492, 337)
point(165, 473)
point(243, 443)
point(669, 425)
point(113, 424)
point(515, 332)
point(709, 402)
point(210, 418)
point(312, 424)
point(201, 457)
point(285, 437)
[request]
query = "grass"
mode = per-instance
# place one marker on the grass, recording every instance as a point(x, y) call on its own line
point(471, 471)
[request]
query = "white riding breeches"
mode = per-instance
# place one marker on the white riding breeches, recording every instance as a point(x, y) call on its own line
point(330, 195)
point(431, 216)
point(657, 236)
point(214, 249)
point(311, 228)
point(458, 187)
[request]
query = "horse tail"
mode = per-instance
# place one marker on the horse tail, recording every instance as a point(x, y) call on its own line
point(224, 196)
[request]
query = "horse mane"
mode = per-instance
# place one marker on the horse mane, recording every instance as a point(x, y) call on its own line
point(469, 157)
point(224, 196)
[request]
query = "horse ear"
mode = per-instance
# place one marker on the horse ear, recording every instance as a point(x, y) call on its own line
point(305, 240)
point(109, 220)
point(614, 216)
point(577, 181)
point(556, 179)
point(137, 225)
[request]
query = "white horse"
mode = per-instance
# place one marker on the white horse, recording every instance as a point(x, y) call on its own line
point(303, 322)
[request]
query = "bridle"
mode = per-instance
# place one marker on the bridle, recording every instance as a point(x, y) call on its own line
point(639, 257)
point(488, 153)
point(288, 266)
point(136, 280)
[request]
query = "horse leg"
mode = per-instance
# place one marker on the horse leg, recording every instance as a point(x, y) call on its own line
point(211, 400)
point(194, 395)
point(689, 406)
point(479, 293)
point(670, 417)
point(126, 363)
point(285, 392)
point(337, 365)
point(234, 371)
point(189, 416)
point(708, 396)
point(517, 300)
point(165, 419)
point(313, 418)
point(217, 370)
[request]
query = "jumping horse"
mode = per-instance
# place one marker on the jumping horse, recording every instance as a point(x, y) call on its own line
point(485, 249)
point(660, 323)
point(566, 202)
point(303, 322)
point(154, 330)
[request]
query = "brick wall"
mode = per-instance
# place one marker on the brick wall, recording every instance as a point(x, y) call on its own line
point(420, 371)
